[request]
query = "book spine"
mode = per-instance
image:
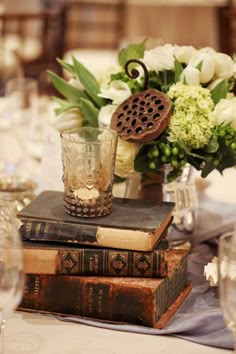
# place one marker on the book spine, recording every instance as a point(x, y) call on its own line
point(101, 262)
point(136, 301)
point(37, 230)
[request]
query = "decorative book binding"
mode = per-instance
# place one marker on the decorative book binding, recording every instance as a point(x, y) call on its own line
point(130, 300)
point(45, 258)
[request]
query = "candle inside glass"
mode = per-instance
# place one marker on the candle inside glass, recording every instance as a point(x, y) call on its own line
point(88, 157)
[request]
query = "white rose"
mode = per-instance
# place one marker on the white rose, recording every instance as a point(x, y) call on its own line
point(185, 53)
point(160, 58)
point(207, 62)
point(125, 156)
point(117, 91)
point(105, 114)
point(225, 112)
point(224, 67)
point(190, 76)
point(68, 120)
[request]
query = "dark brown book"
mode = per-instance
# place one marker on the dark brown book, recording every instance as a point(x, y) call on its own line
point(141, 301)
point(133, 224)
point(48, 258)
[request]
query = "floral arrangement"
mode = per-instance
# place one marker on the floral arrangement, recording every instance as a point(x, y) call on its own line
point(200, 85)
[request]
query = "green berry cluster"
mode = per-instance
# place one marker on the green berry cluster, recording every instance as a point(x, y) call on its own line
point(164, 152)
point(227, 135)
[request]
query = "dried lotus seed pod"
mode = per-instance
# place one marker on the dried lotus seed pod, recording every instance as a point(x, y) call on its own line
point(143, 116)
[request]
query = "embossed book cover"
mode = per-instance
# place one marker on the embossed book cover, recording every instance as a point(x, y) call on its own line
point(143, 301)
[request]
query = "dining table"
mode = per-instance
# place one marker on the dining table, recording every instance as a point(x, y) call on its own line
point(194, 331)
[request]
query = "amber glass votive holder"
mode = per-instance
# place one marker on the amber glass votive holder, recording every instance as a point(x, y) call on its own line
point(88, 157)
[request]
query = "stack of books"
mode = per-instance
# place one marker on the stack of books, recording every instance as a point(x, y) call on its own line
point(115, 268)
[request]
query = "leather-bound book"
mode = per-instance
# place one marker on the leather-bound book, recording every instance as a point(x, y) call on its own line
point(133, 224)
point(142, 301)
point(57, 258)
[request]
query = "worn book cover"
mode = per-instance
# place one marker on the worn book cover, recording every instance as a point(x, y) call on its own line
point(57, 258)
point(133, 223)
point(142, 301)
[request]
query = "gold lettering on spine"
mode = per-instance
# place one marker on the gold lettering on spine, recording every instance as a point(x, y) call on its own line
point(37, 286)
point(90, 299)
point(100, 301)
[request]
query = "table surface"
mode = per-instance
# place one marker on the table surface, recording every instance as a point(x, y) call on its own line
point(35, 333)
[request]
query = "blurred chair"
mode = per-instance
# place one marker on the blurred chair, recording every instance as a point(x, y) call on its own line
point(36, 39)
point(227, 27)
point(94, 24)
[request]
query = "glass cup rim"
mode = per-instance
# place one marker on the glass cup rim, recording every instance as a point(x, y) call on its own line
point(66, 134)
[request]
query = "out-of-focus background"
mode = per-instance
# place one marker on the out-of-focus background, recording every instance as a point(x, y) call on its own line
point(33, 33)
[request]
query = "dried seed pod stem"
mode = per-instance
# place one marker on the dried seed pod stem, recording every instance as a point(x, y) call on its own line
point(134, 73)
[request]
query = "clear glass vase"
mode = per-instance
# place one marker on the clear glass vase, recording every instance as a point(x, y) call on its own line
point(181, 191)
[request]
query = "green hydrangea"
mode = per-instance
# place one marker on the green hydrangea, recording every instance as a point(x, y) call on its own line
point(192, 120)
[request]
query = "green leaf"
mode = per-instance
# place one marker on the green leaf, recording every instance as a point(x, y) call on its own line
point(133, 51)
point(208, 168)
point(219, 92)
point(67, 66)
point(212, 145)
point(89, 82)
point(178, 69)
point(199, 66)
point(90, 112)
point(72, 93)
point(64, 105)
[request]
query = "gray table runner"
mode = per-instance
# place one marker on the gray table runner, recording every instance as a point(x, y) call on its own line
point(199, 319)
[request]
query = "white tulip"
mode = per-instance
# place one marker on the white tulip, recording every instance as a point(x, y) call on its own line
point(76, 83)
point(125, 156)
point(105, 114)
point(117, 91)
point(207, 50)
point(207, 61)
point(225, 112)
point(68, 120)
point(224, 67)
point(185, 53)
point(190, 76)
point(160, 58)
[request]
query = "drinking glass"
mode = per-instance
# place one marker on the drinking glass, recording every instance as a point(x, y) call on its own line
point(227, 280)
point(23, 99)
point(11, 266)
point(88, 157)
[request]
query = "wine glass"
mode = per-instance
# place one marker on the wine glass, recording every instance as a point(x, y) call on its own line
point(227, 280)
point(11, 266)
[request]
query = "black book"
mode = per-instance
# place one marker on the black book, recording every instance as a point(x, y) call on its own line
point(133, 224)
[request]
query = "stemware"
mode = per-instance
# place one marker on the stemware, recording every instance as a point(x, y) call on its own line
point(11, 266)
point(227, 280)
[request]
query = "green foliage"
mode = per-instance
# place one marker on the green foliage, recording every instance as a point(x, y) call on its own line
point(133, 51)
point(90, 112)
point(73, 94)
point(89, 82)
point(219, 92)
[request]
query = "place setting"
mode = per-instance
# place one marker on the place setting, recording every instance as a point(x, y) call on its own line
point(117, 200)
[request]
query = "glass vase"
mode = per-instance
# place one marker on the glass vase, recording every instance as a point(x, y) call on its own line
point(182, 191)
